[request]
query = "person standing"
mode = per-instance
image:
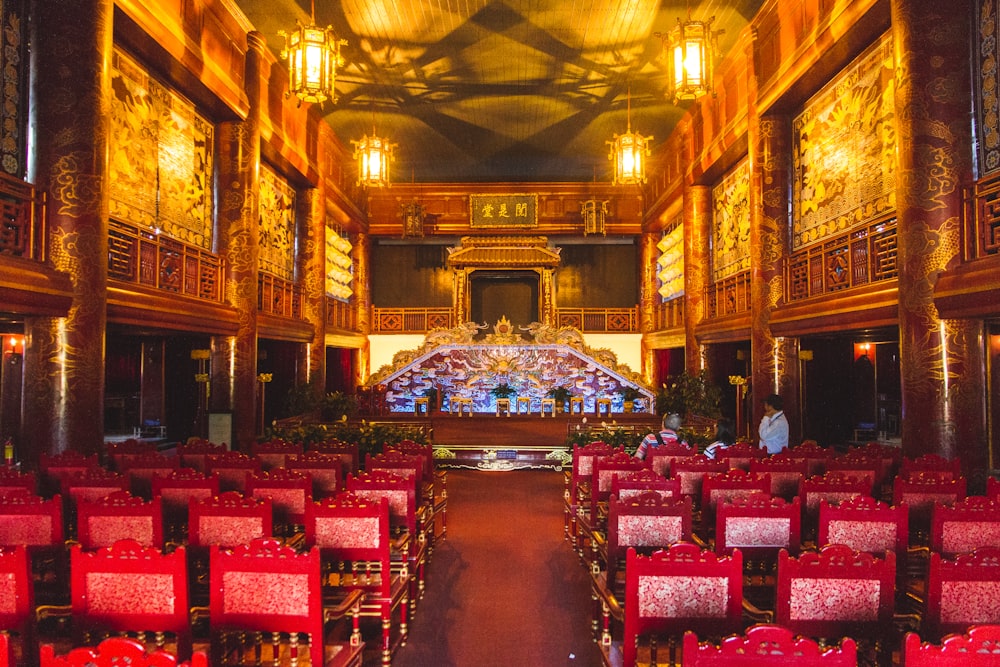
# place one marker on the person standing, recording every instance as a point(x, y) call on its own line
point(725, 436)
point(773, 429)
point(667, 435)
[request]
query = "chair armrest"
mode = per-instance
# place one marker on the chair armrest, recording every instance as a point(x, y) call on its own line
point(50, 611)
point(756, 614)
point(702, 543)
point(343, 606)
point(197, 614)
point(605, 591)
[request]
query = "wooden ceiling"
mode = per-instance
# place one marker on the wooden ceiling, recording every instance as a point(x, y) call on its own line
point(500, 90)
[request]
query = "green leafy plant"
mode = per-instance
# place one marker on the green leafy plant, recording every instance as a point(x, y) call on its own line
point(502, 390)
point(337, 406)
point(630, 394)
point(561, 394)
point(617, 436)
point(689, 395)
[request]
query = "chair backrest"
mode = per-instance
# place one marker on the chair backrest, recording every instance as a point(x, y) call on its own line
point(962, 592)
point(633, 483)
point(116, 651)
point(865, 524)
point(228, 520)
point(6, 650)
point(274, 453)
point(691, 470)
point(836, 592)
point(661, 459)
point(758, 525)
point(54, 467)
point(945, 468)
point(583, 467)
point(195, 452)
point(399, 491)
point(346, 451)
point(92, 484)
point(17, 597)
point(233, 468)
point(860, 466)
point(266, 587)
point(644, 522)
point(289, 490)
point(740, 455)
point(118, 454)
point(765, 645)
point(119, 516)
point(410, 466)
point(177, 489)
point(15, 479)
point(31, 520)
point(424, 451)
point(325, 470)
point(833, 487)
point(979, 647)
point(678, 589)
point(890, 455)
point(725, 486)
point(130, 588)
point(351, 528)
point(967, 525)
point(992, 488)
point(605, 469)
point(142, 468)
point(786, 473)
point(921, 491)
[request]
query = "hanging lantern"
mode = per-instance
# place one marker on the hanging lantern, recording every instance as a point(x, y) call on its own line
point(628, 153)
point(690, 50)
point(413, 215)
point(313, 56)
point(594, 213)
point(373, 155)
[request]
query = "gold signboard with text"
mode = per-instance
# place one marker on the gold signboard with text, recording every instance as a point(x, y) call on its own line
point(503, 210)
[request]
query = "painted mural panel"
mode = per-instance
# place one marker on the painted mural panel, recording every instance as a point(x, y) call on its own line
point(844, 142)
point(161, 157)
point(731, 223)
point(277, 225)
point(987, 86)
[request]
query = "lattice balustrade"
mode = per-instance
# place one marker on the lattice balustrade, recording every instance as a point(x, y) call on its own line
point(618, 320)
point(18, 235)
point(146, 258)
point(277, 296)
point(341, 315)
point(987, 194)
point(729, 296)
point(411, 320)
point(668, 315)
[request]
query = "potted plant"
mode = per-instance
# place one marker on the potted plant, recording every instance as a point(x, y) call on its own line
point(502, 390)
point(431, 393)
point(629, 396)
point(562, 396)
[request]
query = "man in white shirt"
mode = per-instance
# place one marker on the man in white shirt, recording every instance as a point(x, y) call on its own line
point(773, 430)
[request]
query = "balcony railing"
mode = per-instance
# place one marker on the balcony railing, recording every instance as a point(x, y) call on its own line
point(729, 296)
point(411, 320)
point(987, 218)
point(142, 257)
point(599, 320)
point(277, 296)
point(22, 219)
point(668, 315)
point(853, 259)
point(341, 315)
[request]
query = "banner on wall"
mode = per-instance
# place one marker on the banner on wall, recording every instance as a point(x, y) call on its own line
point(512, 210)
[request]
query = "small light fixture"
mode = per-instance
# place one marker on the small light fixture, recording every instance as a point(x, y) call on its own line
point(628, 152)
point(690, 50)
point(413, 215)
point(594, 213)
point(313, 56)
point(373, 155)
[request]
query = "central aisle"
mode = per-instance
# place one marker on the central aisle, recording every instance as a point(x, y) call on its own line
point(504, 589)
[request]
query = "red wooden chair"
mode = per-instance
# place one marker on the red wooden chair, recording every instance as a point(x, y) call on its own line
point(643, 522)
point(861, 467)
point(661, 459)
point(119, 516)
point(346, 451)
point(740, 455)
point(691, 471)
point(979, 647)
point(116, 651)
point(233, 468)
point(577, 494)
point(228, 520)
point(921, 491)
point(786, 473)
point(325, 470)
point(935, 463)
point(175, 492)
point(274, 453)
point(90, 485)
point(836, 592)
point(629, 484)
point(15, 480)
point(6, 650)
point(766, 646)
point(603, 473)
point(17, 603)
point(356, 549)
point(759, 526)
point(424, 451)
point(37, 524)
point(890, 455)
point(54, 467)
point(128, 588)
point(141, 470)
point(410, 466)
point(118, 454)
point(433, 505)
point(195, 452)
point(264, 588)
point(814, 456)
point(833, 487)
point(435, 486)
point(961, 592)
point(289, 491)
point(967, 525)
point(865, 524)
point(673, 591)
point(726, 486)
point(992, 488)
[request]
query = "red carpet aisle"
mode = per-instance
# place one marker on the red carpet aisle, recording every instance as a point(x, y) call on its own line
point(504, 589)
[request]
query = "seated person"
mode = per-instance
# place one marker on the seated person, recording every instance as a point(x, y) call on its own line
point(667, 435)
point(725, 436)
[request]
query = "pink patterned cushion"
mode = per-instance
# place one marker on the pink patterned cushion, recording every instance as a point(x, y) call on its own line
point(8, 593)
point(26, 530)
point(970, 602)
point(868, 536)
point(925, 501)
point(691, 482)
point(119, 593)
point(178, 497)
point(728, 495)
point(966, 536)
point(265, 593)
point(834, 599)
point(649, 530)
point(683, 597)
point(228, 530)
point(745, 531)
point(832, 497)
point(585, 466)
point(397, 499)
point(347, 532)
point(105, 529)
point(292, 500)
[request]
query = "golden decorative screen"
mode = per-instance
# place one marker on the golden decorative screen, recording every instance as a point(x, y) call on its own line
point(731, 223)
point(277, 225)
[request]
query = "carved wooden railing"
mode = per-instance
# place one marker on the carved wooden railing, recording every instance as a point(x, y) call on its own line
point(142, 257)
point(729, 296)
point(668, 315)
point(985, 226)
point(341, 315)
point(411, 320)
point(22, 219)
point(852, 259)
point(277, 296)
point(599, 320)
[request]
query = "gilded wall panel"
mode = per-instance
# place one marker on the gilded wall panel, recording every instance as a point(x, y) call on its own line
point(161, 157)
point(14, 73)
point(277, 225)
point(670, 263)
point(731, 223)
point(844, 142)
point(987, 87)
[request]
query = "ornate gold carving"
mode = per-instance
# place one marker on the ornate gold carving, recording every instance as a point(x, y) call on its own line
point(731, 233)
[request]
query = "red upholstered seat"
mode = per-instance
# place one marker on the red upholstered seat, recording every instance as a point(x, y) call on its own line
point(786, 473)
point(961, 592)
point(767, 646)
point(116, 651)
point(289, 491)
point(119, 516)
point(865, 524)
point(130, 588)
point(967, 525)
point(979, 647)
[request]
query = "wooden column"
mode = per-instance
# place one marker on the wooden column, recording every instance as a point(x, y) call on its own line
point(311, 275)
point(238, 219)
point(363, 298)
point(70, 123)
point(648, 295)
point(942, 365)
point(697, 232)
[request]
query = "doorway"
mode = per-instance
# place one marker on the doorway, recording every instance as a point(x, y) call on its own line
point(510, 294)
